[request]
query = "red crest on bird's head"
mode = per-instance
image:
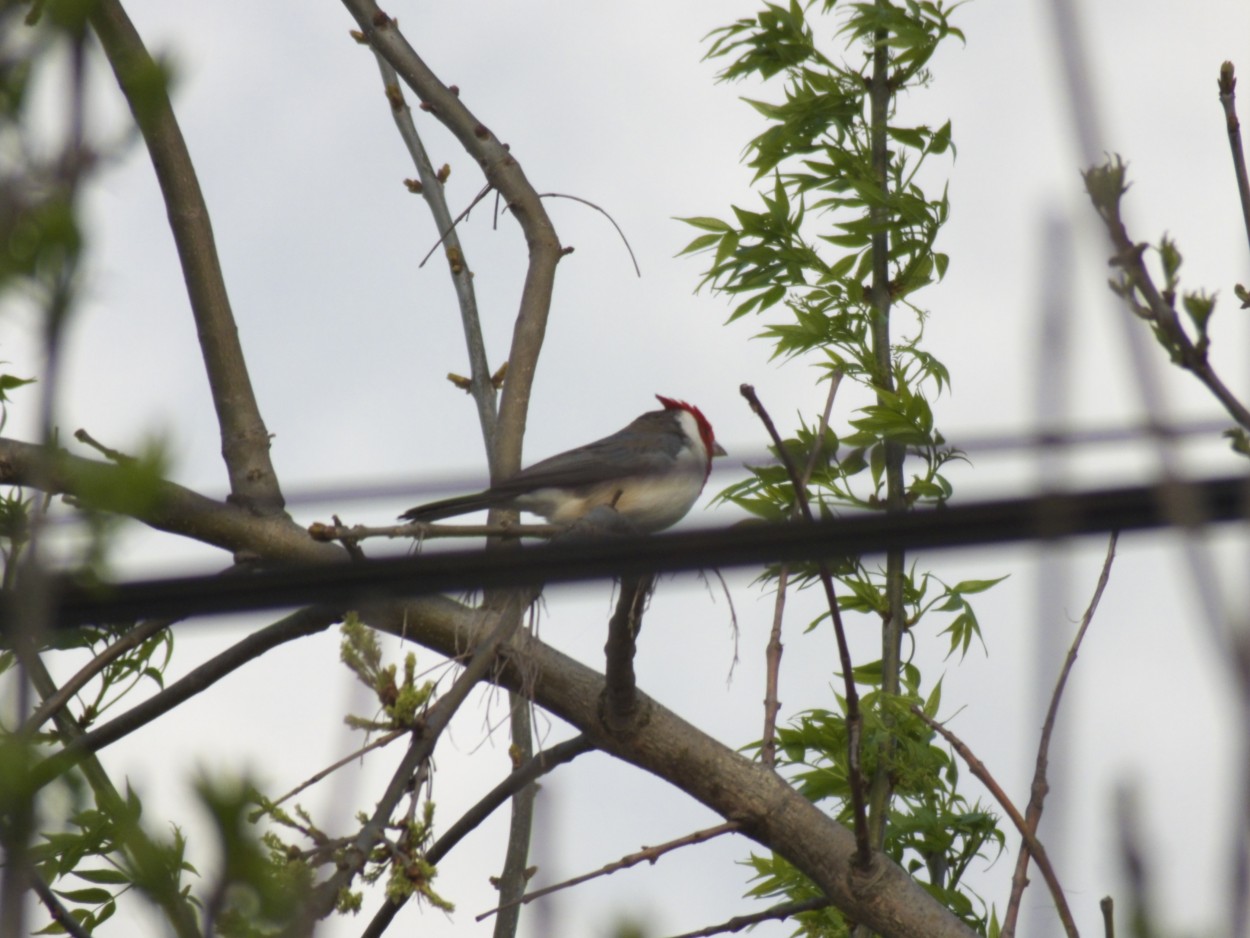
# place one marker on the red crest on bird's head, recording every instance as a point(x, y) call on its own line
point(705, 429)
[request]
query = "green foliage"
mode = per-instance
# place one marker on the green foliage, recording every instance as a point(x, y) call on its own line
point(837, 247)
point(254, 896)
point(401, 702)
point(106, 848)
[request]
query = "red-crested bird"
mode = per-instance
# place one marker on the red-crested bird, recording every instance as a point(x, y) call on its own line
point(651, 472)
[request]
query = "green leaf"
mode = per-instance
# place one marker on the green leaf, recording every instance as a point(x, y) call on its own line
point(91, 896)
point(108, 877)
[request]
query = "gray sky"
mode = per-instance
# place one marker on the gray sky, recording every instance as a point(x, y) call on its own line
point(349, 342)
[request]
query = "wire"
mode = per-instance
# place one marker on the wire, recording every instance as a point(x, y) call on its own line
point(746, 544)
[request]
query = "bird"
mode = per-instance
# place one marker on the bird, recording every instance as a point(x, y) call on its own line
point(651, 472)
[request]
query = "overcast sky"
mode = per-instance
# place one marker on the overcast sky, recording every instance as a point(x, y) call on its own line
point(349, 342)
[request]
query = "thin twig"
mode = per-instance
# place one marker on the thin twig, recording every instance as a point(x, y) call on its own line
point(605, 214)
point(1106, 187)
point(853, 719)
point(772, 672)
point(59, 913)
point(516, 873)
point(1228, 98)
point(783, 910)
point(1040, 857)
point(504, 174)
point(449, 229)
point(1107, 905)
point(112, 455)
point(424, 530)
point(539, 765)
point(131, 639)
point(647, 854)
point(772, 654)
point(1133, 858)
point(458, 266)
point(384, 740)
point(1037, 796)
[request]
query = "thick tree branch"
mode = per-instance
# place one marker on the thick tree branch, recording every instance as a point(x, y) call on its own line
point(504, 173)
point(167, 506)
point(767, 809)
point(620, 697)
point(244, 438)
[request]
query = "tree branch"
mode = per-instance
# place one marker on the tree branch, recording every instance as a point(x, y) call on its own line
point(1040, 787)
point(1228, 99)
point(132, 639)
point(777, 912)
point(646, 854)
point(767, 809)
point(244, 438)
point(620, 696)
point(854, 722)
point(166, 507)
point(1032, 844)
point(326, 894)
point(480, 385)
point(1106, 187)
point(504, 173)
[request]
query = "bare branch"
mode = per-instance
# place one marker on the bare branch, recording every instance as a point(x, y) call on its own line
point(772, 654)
point(854, 722)
point(1037, 796)
point(516, 873)
point(382, 741)
point(605, 214)
point(777, 912)
point(1228, 99)
point(461, 276)
point(244, 438)
point(1107, 905)
point(1034, 846)
point(170, 507)
point(505, 175)
point(646, 854)
point(422, 530)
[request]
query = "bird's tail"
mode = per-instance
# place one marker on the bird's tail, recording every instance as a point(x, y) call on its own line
point(450, 507)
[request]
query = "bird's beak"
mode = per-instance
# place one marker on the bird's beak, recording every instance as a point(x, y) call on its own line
point(718, 450)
